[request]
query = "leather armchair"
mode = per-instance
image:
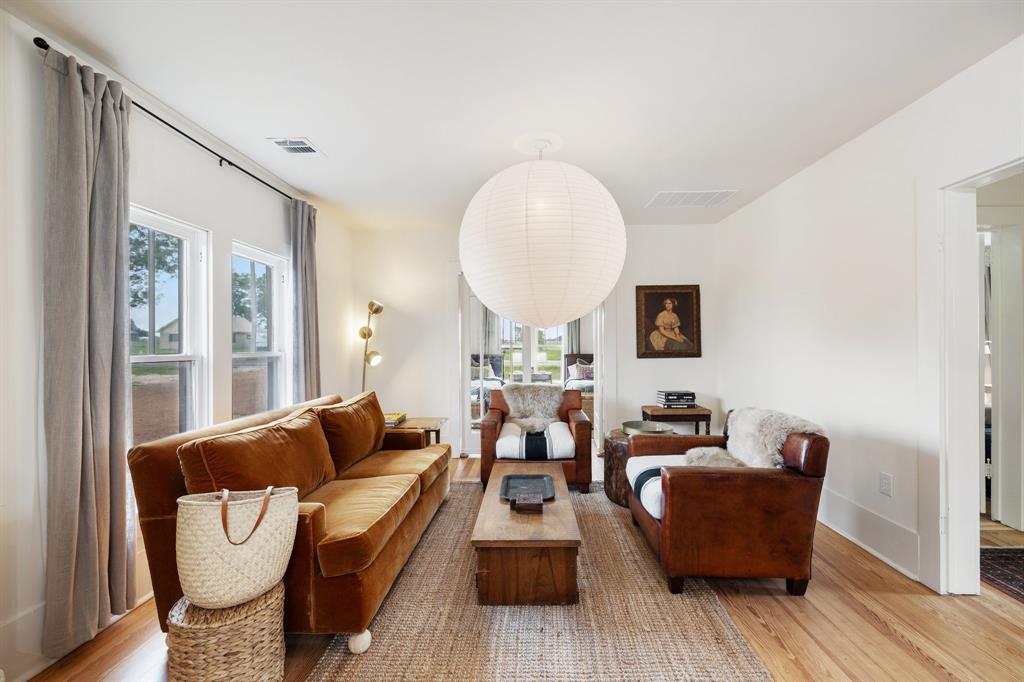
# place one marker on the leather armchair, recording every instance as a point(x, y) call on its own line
point(735, 522)
point(577, 470)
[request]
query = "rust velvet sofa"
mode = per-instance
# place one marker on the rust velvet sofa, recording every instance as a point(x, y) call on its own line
point(365, 497)
point(577, 470)
point(734, 522)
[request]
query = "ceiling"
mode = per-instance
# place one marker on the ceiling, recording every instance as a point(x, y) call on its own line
point(415, 105)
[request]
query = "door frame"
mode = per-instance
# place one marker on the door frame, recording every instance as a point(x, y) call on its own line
point(960, 391)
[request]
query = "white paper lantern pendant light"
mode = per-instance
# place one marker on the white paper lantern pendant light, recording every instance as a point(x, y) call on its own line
point(542, 242)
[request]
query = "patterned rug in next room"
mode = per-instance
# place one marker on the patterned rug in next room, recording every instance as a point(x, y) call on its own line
point(1003, 569)
point(626, 626)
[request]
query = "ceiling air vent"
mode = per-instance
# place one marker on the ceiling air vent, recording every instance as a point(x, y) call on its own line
point(683, 199)
point(294, 145)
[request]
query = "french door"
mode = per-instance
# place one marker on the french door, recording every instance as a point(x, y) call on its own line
point(498, 351)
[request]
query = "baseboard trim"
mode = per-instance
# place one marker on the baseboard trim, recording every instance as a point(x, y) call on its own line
point(20, 644)
point(888, 541)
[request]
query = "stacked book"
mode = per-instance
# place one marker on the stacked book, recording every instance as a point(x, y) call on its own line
point(677, 399)
point(393, 419)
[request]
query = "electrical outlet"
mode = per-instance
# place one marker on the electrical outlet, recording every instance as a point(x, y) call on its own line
point(885, 484)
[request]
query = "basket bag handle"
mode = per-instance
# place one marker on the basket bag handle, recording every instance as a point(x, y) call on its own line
point(224, 514)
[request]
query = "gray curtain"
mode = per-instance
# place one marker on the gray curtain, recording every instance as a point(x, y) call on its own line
point(306, 347)
point(491, 340)
point(572, 337)
point(90, 553)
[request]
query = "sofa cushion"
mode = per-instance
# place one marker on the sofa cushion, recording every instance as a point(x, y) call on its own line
point(427, 463)
point(291, 451)
point(362, 514)
point(354, 429)
point(651, 493)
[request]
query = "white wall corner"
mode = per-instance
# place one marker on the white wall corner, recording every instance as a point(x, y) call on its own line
point(883, 538)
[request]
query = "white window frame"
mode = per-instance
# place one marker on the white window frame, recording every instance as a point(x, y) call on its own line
point(281, 317)
point(195, 305)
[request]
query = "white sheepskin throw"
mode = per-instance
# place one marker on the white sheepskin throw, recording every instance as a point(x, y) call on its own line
point(711, 457)
point(532, 406)
point(756, 436)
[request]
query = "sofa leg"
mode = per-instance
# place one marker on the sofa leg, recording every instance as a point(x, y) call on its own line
point(796, 586)
point(583, 488)
point(360, 642)
point(675, 584)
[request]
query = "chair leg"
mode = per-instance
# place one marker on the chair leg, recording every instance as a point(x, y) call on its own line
point(797, 586)
point(675, 584)
point(635, 522)
point(584, 488)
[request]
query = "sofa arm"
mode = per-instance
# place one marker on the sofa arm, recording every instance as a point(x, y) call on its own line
point(738, 522)
point(303, 567)
point(490, 427)
point(581, 430)
point(404, 439)
point(807, 453)
point(580, 426)
point(671, 445)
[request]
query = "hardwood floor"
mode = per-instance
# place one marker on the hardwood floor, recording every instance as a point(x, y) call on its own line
point(995, 534)
point(860, 620)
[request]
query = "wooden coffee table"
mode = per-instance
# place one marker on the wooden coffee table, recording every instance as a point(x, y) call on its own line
point(526, 558)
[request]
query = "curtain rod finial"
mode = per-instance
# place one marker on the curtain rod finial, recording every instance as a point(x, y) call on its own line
point(41, 43)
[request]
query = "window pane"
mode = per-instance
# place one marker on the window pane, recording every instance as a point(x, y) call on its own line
point(241, 304)
point(253, 385)
point(548, 354)
point(161, 399)
point(138, 288)
point(166, 293)
point(263, 329)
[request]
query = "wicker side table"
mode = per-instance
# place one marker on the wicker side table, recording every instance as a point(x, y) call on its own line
point(244, 642)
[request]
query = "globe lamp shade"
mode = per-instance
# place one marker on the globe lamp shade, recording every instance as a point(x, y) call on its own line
point(542, 243)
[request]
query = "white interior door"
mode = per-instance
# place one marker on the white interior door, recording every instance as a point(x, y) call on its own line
point(1007, 329)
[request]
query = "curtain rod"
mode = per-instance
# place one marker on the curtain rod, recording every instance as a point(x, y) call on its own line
point(221, 159)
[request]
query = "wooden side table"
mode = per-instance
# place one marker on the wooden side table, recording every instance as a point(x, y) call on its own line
point(616, 452)
point(429, 425)
point(696, 415)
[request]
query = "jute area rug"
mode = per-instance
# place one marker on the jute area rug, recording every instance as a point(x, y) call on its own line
point(626, 626)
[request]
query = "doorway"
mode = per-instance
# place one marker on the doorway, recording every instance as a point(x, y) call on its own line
point(496, 351)
point(1000, 209)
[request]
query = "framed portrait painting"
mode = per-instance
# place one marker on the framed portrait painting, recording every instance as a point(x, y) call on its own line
point(668, 321)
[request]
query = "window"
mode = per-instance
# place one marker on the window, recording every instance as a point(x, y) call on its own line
point(167, 349)
point(258, 339)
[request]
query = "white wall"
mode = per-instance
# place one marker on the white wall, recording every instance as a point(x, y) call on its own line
point(415, 275)
point(336, 303)
point(831, 302)
point(22, 463)
point(663, 254)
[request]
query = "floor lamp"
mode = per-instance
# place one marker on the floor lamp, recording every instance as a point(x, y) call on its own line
point(370, 358)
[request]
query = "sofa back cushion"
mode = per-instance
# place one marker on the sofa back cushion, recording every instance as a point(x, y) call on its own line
point(291, 451)
point(354, 429)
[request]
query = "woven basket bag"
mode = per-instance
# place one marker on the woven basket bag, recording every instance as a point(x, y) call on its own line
point(233, 547)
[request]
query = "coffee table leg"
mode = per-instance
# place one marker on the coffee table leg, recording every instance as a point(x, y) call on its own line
point(707, 428)
point(696, 428)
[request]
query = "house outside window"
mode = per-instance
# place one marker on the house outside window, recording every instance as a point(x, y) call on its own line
point(167, 333)
point(259, 288)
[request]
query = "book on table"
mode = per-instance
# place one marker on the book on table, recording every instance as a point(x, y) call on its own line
point(677, 396)
point(393, 419)
point(687, 406)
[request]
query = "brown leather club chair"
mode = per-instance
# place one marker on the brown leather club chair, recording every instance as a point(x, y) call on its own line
point(735, 522)
point(577, 470)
